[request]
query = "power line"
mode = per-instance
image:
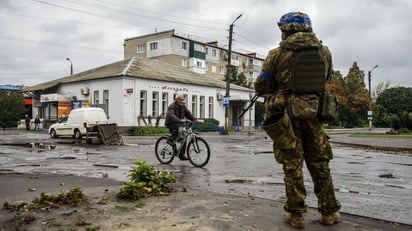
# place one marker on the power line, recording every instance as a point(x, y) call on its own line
point(33, 73)
point(57, 44)
point(125, 10)
point(121, 19)
point(128, 7)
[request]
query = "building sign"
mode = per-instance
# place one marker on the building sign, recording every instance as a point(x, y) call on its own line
point(129, 90)
point(63, 107)
point(76, 104)
point(49, 98)
point(176, 89)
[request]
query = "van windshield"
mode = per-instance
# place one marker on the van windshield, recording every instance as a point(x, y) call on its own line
point(63, 120)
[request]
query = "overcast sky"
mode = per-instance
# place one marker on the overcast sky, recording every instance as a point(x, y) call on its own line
point(36, 36)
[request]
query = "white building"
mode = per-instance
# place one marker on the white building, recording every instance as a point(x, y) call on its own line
point(137, 88)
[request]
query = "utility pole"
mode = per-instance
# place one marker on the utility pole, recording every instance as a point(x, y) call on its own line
point(250, 100)
point(228, 74)
point(370, 97)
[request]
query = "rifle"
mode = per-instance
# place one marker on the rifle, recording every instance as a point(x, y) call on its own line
point(252, 101)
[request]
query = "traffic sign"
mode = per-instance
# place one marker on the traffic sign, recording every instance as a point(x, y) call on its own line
point(226, 101)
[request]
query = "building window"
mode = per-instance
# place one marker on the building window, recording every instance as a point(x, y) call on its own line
point(211, 107)
point(213, 68)
point(184, 45)
point(207, 50)
point(165, 103)
point(222, 70)
point(194, 106)
point(153, 46)
point(106, 101)
point(202, 107)
point(143, 100)
point(140, 49)
point(199, 64)
point(155, 104)
point(184, 62)
point(198, 47)
point(96, 97)
point(214, 52)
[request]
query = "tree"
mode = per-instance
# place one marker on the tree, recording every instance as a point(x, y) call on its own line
point(381, 87)
point(355, 97)
point(238, 79)
point(11, 108)
point(335, 85)
point(397, 101)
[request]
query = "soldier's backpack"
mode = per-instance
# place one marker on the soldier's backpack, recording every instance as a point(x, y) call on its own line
point(308, 71)
point(307, 84)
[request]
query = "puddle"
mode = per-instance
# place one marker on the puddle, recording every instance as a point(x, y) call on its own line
point(387, 175)
point(245, 181)
point(263, 152)
point(394, 186)
point(6, 171)
point(352, 162)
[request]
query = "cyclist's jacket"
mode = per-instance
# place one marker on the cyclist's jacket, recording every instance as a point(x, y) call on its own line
point(175, 112)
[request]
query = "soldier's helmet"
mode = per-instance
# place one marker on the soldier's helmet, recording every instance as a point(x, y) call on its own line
point(295, 21)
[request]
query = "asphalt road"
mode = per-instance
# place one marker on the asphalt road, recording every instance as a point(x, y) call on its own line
point(369, 183)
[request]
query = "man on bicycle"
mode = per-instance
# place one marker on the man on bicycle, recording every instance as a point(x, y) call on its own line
point(177, 113)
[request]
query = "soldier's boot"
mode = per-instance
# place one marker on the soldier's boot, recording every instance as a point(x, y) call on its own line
point(295, 220)
point(330, 219)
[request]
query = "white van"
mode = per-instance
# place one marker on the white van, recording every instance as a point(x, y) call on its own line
point(79, 122)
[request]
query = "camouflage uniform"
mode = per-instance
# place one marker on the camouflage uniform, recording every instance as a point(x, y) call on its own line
point(311, 144)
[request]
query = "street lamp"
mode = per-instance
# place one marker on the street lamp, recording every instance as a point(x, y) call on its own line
point(370, 97)
point(71, 66)
point(228, 73)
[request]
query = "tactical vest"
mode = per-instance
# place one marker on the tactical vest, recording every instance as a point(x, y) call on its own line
point(308, 72)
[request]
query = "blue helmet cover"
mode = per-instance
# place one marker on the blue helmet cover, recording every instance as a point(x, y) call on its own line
point(295, 17)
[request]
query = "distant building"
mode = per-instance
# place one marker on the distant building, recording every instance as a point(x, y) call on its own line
point(140, 87)
point(200, 57)
point(9, 88)
point(134, 90)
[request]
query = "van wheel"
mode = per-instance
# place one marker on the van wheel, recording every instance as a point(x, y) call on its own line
point(53, 133)
point(77, 134)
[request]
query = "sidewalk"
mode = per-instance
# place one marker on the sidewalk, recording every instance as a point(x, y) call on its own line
point(191, 210)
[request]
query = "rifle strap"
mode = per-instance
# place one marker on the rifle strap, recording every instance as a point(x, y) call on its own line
point(283, 60)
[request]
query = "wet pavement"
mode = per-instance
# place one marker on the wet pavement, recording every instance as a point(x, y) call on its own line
point(369, 182)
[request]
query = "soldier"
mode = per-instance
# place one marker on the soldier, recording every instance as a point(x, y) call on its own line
point(292, 80)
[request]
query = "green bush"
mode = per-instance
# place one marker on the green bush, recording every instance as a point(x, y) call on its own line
point(11, 108)
point(145, 181)
point(208, 125)
point(403, 131)
point(146, 131)
point(394, 121)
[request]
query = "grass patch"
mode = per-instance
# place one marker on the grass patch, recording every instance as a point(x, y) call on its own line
point(74, 198)
point(383, 136)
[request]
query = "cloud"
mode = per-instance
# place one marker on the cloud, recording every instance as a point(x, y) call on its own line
point(38, 35)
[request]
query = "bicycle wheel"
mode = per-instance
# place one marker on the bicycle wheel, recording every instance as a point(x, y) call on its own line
point(164, 152)
point(198, 152)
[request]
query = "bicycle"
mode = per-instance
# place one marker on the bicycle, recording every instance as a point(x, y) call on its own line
point(196, 148)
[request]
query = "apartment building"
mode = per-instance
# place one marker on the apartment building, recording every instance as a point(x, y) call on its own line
point(200, 57)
